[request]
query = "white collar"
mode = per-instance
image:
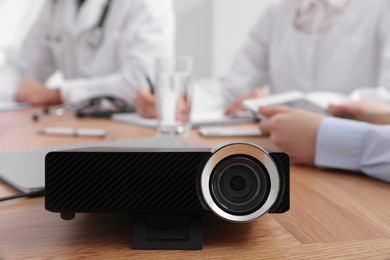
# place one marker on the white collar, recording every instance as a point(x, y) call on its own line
point(336, 4)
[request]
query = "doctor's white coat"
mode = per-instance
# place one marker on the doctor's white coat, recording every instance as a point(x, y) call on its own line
point(136, 32)
point(353, 53)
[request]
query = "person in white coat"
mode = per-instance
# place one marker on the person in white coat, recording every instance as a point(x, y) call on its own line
point(312, 45)
point(101, 47)
point(359, 145)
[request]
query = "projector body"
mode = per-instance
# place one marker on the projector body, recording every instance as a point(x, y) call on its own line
point(239, 182)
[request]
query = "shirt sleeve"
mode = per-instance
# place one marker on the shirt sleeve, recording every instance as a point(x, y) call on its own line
point(354, 146)
point(249, 69)
point(149, 33)
point(33, 60)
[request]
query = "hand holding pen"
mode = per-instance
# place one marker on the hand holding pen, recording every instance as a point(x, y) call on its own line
point(151, 86)
point(145, 102)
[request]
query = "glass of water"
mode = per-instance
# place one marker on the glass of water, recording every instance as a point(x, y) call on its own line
point(174, 94)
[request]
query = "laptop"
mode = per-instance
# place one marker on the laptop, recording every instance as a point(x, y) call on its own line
point(25, 170)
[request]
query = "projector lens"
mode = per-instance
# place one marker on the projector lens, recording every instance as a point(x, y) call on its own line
point(237, 183)
point(240, 184)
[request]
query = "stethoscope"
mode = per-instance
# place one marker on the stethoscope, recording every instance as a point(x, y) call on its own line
point(95, 34)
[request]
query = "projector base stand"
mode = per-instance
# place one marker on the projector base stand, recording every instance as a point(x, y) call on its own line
point(165, 233)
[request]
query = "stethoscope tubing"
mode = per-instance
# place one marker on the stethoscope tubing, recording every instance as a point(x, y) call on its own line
point(96, 33)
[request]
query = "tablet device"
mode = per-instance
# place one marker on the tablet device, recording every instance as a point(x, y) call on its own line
point(295, 99)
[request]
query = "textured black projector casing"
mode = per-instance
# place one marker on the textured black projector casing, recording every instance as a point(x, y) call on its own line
point(143, 181)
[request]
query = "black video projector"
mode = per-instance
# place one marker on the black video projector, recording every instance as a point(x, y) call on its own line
point(238, 182)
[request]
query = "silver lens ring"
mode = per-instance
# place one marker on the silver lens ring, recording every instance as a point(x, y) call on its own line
point(235, 148)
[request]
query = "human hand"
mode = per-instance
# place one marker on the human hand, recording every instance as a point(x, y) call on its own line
point(32, 91)
point(183, 107)
point(145, 103)
point(293, 131)
point(237, 104)
point(366, 111)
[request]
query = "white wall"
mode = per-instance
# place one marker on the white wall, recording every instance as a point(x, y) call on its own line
point(232, 21)
point(194, 33)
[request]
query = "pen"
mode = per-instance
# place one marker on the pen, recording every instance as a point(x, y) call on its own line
point(150, 84)
point(72, 131)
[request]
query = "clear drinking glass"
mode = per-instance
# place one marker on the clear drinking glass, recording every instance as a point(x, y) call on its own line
point(174, 94)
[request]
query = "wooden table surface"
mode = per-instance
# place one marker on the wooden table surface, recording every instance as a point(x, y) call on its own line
point(333, 215)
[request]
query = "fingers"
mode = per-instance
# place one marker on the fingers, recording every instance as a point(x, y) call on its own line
point(343, 110)
point(183, 109)
point(146, 95)
point(24, 91)
point(334, 109)
point(265, 126)
point(33, 91)
point(237, 104)
point(233, 108)
point(145, 103)
point(258, 92)
point(146, 111)
point(20, 97)
point(269, 112)
point(273, 110)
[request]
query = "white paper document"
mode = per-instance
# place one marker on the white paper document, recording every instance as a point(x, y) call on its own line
point(7, 106)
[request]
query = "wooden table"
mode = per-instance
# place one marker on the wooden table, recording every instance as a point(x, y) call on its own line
point(333, 214)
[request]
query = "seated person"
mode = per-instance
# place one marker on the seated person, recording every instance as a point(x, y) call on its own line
point(66, 37)
point(361, 144)
point(312, 45)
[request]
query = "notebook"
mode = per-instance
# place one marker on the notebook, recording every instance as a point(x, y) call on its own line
point(212, 118)
point(25, 170)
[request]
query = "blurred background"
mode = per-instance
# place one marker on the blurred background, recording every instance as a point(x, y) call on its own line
point(211, 31)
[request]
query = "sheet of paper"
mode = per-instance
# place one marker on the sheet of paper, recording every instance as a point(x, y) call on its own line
point(7, 106)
